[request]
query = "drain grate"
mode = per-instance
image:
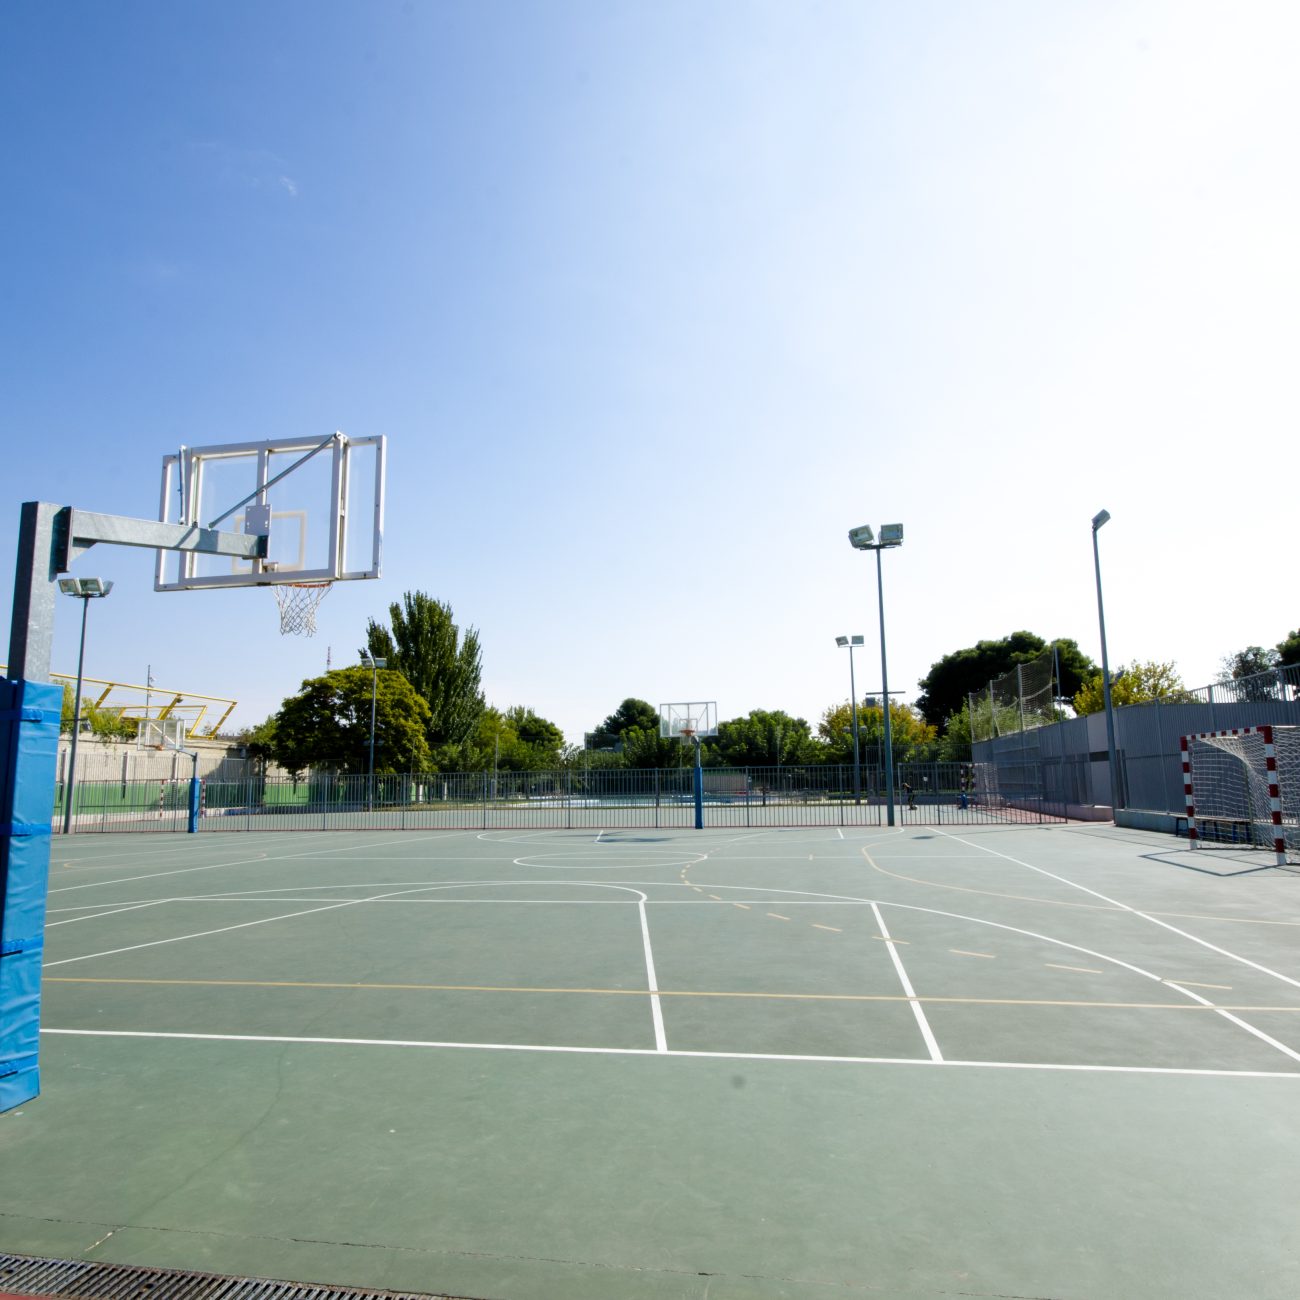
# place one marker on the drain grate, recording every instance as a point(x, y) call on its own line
point(79, 1279)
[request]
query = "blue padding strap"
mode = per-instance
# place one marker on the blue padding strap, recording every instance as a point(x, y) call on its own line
point(29, 714)
point(33, 943)
point(17, 1065)
point(26, 828)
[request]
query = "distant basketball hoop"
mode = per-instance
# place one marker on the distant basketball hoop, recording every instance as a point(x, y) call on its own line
point(298, 602)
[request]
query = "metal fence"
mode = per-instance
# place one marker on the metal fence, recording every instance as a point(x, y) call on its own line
point(1072, 755)
point(927, 794)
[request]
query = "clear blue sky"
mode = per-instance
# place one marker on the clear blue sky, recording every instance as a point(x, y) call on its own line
point(654, 302)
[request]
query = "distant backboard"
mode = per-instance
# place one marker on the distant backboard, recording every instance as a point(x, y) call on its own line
point(160, 733)
point(679, 721)
point(320, 501)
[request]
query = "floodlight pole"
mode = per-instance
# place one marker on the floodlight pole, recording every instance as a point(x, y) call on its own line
point(852, 643)
point(374, 665)
point(1101, 518)
point(85, 597)
point(864, 539)
point(884, 684)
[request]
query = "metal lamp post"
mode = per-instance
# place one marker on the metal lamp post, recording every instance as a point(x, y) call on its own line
point(86, 590)
point(852, 643)
point(374, 664)
point(864, 539)
point(1100, 518)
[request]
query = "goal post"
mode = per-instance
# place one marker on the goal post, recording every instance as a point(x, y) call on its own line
point(1243, 789)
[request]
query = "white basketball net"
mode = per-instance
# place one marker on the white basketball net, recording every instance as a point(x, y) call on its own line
point(298, 602)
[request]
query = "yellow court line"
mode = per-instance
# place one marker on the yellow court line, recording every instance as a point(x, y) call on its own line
point(817, 926)
point(667, 993)
point(744, 906)
point(961, 952)
point(776, 916)
point(1083, 970)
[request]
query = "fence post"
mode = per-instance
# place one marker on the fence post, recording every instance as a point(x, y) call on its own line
point(656, 798)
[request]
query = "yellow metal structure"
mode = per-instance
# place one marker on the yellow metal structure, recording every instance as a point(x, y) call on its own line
point(155, 702)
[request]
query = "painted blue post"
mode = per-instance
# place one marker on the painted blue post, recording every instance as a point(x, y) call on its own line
point(699, 790)
point(196, 790)
point(29, 745)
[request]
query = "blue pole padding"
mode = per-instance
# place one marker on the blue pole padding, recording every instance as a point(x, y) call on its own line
point(699, 794)
point(29, 748)
point(196, 787)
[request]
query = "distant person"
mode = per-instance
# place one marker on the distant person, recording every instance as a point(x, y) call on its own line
point(911, 797)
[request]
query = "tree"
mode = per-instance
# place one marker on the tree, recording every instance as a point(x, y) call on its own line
point(950, 681)
point(1288, 650)
point(426, 647)
point(765, 738)
point(1137, 683)
point(644, 747)
point(631, 713)
point(912, 737)
point(1250, 662)
point(327, 724)
point(103, 724)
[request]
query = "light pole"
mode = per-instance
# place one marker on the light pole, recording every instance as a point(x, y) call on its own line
point(852, 642)
point(85, 589)
point(1100, 518)
point(374, 665)
point(864, 539)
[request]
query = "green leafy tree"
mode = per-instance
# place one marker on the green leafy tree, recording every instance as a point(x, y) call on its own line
point(259, 741)
point(327, 724)
point(947, 686)
point(518, 740)
point(1250, 662)
point(1288, 650)
point(426, 647)
point(643, 747)
point(1137, 683)
point(913, 738)
point(1253, 669)
point(103, 724)
point(631, 713)
point(765, 738)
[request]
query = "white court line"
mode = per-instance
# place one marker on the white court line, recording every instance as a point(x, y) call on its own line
point(923, 1024)
point(1146, 916)
point(1236, 1020)
point(201, 934)
point(113, 911)
point(656, 1011)
point(212, 866)
point(646, 1051)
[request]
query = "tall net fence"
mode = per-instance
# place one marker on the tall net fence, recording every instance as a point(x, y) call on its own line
point(1022, 699)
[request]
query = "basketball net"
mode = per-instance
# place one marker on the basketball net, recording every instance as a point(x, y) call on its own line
point(298, 602)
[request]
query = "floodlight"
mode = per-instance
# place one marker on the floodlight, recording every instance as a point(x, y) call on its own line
point(380, 663)
point(857, 640)
point(862, 537)
point(891, 534)
point(841, 641)
point(91, 586)
point(1101, 517)
point(70, 586)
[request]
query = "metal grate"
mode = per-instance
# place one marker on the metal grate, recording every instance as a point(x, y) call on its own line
point(87, 1280)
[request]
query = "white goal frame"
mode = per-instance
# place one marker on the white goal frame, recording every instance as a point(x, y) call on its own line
point(1269, 821)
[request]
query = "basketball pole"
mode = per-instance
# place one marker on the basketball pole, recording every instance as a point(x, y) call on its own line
point(50, 538)
point(699, 786)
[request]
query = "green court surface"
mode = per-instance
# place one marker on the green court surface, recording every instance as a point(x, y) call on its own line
point(985, 1061)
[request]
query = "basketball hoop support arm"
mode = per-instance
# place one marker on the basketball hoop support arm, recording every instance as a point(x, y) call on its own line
point(50, 538)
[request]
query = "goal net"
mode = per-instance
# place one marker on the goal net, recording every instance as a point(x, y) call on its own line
point(1243, 789)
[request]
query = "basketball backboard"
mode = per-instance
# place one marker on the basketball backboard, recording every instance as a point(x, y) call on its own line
point(320, 501)
point(689, 721)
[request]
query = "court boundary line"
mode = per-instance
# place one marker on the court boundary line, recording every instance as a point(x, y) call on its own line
point(1128, 907)
point(931, 1043)
point(679, 1053)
